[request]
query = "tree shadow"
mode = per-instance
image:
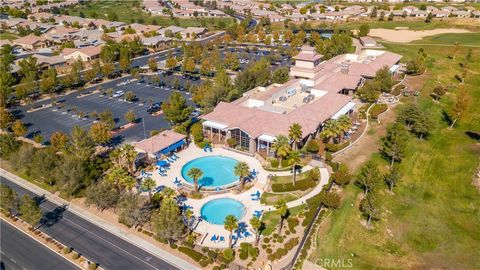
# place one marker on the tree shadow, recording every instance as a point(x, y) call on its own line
point(53, 217)
point(446, 117)
point(40, 199)
point(473, 135)
point(205, 181)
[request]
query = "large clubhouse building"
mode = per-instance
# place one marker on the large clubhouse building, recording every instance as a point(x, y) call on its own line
point(319, 90)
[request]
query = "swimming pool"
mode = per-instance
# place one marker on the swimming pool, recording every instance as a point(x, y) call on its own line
point(215, 211)
point(217, 170)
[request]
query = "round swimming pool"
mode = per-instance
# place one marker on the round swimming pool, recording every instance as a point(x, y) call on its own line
point(215, 211)
point(217, 171)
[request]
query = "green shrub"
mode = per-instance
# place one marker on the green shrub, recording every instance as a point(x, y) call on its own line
point(173, 245)
point(266, 240)
point(287, 232)
point(245, 247)
point(231, 142)
point(229, 254)
point(303, 184)
point(195, 255)
point(67, 250)
point(292, 223)
point(314, 174)
point(253, 252)
point(312, 146)
point(335, 147)
point(377, 109)
point(290, 244)
point(203, 263)
point(274, 163)
point(75, 255)
point(330, 199)
point(197, 132)
point(243, 255)
point(398, 89)
point(212, 254)
point(269, 251)
point(205, 249)
point(285, 163)
point(92, 266)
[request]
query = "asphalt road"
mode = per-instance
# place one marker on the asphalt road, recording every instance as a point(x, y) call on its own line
point(19, 251)
point(91, 241)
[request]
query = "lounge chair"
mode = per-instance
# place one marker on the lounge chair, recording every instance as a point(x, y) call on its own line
point(214, 238)
point(247, 234)
point(234, 237)
point(257, 194)
point(170, 160)
point(222, 239)
point(256, 199)
point(175, 155)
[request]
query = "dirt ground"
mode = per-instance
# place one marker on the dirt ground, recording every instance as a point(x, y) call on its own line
point(405, 36)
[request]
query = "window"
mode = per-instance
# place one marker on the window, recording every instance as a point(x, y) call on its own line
point(241, 138)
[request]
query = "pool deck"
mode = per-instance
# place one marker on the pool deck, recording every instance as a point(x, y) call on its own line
point(207, 229)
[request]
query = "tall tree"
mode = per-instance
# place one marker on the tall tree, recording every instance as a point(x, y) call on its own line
point(152, 64)
point(281, 75)
point(295, 134)
point(392, 177)
point(59, 140)
point(81, 144)
point(395, 142)
point(19, 128)
point(230, 224)
point(49, 81)
point(242, 170)
point(363, 30)
point(132, 210)
point(100, 133)
point(176, 109)
point(258, 226)
point(167, 222)
point(195, 174)
point(461, 106)
point(294, 159)
point(120, 178)
point(282, 211)
point(370, 207)
point(368, 177)
point(8, 198)
point(149, 184)
point(103, 195)
point(281, 146)
point(30, 211)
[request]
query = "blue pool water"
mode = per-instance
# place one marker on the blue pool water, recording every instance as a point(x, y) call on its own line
point(215, 211)
point(217, 171)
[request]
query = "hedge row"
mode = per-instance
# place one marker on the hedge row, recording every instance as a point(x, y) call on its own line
point(195, 255)
point(332, 147)
point(377, 109)
point(299, 185)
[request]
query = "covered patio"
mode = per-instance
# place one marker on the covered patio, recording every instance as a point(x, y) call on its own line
point(161, 144)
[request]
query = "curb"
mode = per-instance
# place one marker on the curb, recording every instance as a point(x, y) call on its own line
point(98, 221)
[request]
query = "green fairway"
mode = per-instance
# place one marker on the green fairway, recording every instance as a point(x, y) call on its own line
point(463, 39)
point(433, 219)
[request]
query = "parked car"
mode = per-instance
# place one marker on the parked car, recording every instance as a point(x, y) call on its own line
point(155, 107)
point(118, 94)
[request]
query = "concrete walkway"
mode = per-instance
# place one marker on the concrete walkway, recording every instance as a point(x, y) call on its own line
point(98, 221)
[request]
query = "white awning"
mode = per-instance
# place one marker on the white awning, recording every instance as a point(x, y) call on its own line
point(393, 68)
point(344, 110)
point(214, 125)
point(266, 138)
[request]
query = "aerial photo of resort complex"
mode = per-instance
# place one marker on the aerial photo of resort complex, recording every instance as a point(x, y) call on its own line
point(239, 134)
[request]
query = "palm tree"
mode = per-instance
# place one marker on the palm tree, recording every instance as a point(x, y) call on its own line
point(331, 129)
point(241, 170)
point(149, 184)
point(281, 146)
point(230, 224)
point(294, 159)
point(344, 124)
point(130, 155)
point(258, 227)
point(282, 211)
point(295, 134)
point(188, 216)
point(195, 174)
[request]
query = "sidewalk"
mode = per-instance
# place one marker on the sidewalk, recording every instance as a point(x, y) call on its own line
point(98, 221)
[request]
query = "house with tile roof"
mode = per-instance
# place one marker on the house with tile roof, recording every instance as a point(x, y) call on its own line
point(32, 42)
point(85, 53)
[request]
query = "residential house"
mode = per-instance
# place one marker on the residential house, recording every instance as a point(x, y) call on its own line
point(32, 42)
point(85, 53)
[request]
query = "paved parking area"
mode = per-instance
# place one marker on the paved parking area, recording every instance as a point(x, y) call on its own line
point(63, 118)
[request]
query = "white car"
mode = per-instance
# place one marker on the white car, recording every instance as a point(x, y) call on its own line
point(118, 94)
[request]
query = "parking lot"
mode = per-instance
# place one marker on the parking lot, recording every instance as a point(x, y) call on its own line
point(76, 110)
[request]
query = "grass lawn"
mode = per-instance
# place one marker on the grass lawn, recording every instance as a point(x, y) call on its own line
point(130, 11)
point(433, 219)
point(464, 39)
point(8, 35)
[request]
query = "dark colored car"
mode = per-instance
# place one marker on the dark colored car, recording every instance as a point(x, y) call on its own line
point(155, 107)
